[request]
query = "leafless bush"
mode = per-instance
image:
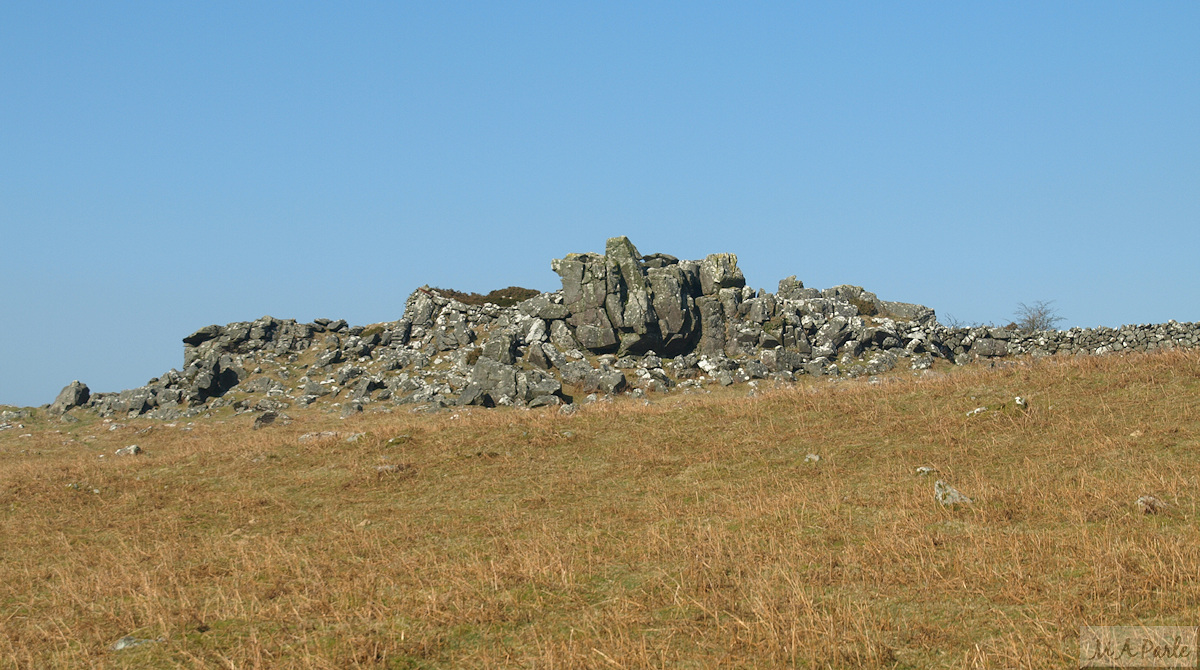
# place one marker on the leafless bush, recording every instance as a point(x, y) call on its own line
point(1040, 315)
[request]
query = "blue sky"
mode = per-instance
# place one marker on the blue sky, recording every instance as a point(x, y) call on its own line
point(164, 166)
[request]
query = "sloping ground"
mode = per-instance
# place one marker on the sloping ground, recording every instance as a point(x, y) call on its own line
point(694, 531)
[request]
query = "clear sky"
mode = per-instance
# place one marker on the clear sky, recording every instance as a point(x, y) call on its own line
point(167, 165)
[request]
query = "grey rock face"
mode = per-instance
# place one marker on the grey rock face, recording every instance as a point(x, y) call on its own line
point(908, 311)
point(719, 271)
point(584, 280)
point(712, 326)
point(561, 337)
point(75, 394)
point(497, 380)
point(501, 347)
point(575, 372)
point(673, 293)
point(594, 331)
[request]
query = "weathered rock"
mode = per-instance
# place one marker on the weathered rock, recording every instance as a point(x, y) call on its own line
point(618, 302)
point(922, 362)
point(203, 335)
point(674, 293)
point(561, 337)
point(755, 370)
point(584, 279)
point(632, 310)
point(501, 347)
point(793, 289)
point(990, 348)
point(537, 383)
point(496, 379)
point(712, 326)
point(322, 436)
point(594, 331)
point(328, 358)
point(363, 388)
point(908, 311)
point(264, 419)
point(605, 381)
point(548, 306)
point(719, 271)
point(545, 401)
point(75, 394)
point(575, 372)
point(864, 302)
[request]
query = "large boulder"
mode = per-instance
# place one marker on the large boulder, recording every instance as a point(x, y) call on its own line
point(493, 379)
point(501, 347)
point(594, 331)
point(585, 291)
point(73, 395)
point(674, 290)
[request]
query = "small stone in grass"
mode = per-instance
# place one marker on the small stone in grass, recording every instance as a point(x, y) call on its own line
point(129, 641)
point(1151, 505)
point(948, 495)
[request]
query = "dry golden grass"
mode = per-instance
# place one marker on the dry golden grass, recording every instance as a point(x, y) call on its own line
point(687, 533)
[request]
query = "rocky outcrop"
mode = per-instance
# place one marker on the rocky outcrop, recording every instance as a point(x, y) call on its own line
point(621, 321)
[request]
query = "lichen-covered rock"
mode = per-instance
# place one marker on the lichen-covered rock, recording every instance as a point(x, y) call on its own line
point(719, 271)
point(712, 326)
point(674, 291)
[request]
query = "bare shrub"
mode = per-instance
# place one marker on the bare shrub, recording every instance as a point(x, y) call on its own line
point(1040, 315)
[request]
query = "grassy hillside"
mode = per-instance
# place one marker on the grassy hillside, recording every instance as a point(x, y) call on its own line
point(690, 532)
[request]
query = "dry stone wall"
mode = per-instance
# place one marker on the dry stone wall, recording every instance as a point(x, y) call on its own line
point(622, 322)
